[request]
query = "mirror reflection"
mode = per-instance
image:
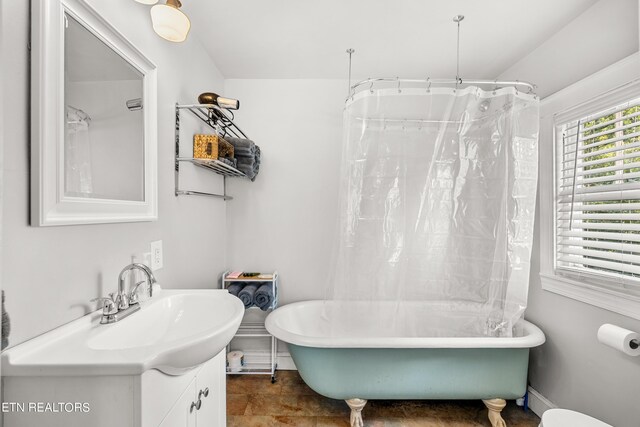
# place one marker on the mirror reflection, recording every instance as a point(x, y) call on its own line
point(104, 126)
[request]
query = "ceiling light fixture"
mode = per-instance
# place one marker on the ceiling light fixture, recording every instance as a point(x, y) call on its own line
point(169, 22)
point(148, 2)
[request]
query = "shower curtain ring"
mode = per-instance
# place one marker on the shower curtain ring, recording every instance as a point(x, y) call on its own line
point(371, 87)
point(428, 84)
point(495, 86)
point(399, 90)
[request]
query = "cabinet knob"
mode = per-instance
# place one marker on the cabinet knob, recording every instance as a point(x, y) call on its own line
point(195, 405)
point(204, 393)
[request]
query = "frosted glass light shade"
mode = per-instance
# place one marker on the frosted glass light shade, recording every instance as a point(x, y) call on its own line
point(170, 23)
point(149, 2)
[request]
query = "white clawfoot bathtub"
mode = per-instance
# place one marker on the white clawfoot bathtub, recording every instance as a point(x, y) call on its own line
point(356, 354)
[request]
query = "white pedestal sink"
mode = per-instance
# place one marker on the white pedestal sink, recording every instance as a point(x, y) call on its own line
point(145, 365)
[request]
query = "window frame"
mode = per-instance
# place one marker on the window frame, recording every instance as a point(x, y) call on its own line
point(588, 288)
point(614, 278)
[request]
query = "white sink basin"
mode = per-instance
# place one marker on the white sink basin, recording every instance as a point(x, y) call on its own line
point(173, 332)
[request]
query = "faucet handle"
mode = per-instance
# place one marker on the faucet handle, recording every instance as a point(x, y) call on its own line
point(109, 305)
point(133, 296)
point(121, 300)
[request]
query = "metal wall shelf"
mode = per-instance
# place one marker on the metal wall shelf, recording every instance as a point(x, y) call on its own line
point(215, 165)
point(220, 121)
point(256, 330)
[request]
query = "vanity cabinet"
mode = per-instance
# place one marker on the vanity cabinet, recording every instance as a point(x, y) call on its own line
point(211, 388)
point(152, 399)
point(183, 414)
point(203, 403)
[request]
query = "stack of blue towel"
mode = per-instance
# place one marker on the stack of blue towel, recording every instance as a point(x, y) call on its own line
point(247, 154)
point(259, 294)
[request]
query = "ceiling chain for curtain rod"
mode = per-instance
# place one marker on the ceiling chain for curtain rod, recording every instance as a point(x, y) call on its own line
point(458, 19)
point(350, 52)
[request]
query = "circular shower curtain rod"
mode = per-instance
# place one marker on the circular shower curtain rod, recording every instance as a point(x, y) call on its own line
point(496, 84)
point(458, 81)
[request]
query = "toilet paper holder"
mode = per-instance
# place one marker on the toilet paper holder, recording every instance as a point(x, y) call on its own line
point(620, 339)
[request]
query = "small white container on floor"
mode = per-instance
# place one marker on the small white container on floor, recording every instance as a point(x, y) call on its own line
point(235, 361)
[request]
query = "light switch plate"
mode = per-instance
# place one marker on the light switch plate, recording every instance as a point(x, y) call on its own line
point(156, 255)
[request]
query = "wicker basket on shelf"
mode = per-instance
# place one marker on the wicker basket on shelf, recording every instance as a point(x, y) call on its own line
point(205, 146)
point(225, 149)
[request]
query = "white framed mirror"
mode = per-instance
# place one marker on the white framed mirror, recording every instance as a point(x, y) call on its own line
point(93, 120)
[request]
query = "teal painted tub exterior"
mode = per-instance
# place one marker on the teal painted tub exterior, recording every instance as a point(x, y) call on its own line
point(346, 351)
point(413, 373)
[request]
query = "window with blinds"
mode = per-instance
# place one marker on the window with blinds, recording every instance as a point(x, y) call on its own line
point(598, 197)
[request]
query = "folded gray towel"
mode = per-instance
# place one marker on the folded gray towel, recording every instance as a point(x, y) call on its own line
point(264, 296)
point(250, 167)
point(245, 152)
point(248, 161)
point(242, 147)
point(235, 288)
point(240, 143)
point(228, 161)
point(247, 293)
point(248, 170)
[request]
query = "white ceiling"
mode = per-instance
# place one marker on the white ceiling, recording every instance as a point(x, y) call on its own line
point(411, 38)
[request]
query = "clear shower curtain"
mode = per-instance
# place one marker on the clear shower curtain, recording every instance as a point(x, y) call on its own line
point(437, 204)
point(77, 155)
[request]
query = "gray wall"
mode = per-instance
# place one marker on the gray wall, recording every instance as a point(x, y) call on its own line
point(283, 220)
point(572, 369)
point(600, 36)
point(49, 274)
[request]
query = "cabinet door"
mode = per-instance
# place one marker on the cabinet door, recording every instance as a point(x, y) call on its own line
point(212, 376)
point(182, 415)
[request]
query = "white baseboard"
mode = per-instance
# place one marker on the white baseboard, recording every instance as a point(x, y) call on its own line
point(538, 403)
point(285, 362)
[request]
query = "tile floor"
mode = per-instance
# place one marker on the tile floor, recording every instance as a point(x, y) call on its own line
point(252, 401)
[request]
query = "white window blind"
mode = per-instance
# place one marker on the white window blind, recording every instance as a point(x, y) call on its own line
point(598, 197)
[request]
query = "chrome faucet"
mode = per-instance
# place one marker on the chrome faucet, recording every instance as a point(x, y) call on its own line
point(124, 299)
point(119, 306)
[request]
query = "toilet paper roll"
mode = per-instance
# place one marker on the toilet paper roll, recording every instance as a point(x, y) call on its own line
point(235, 361)
point(619, 338)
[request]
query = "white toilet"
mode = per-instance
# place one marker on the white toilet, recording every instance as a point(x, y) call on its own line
point(567, 418)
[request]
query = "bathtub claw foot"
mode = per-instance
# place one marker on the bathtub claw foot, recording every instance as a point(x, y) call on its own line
point(356, 406)
point(495, 406)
